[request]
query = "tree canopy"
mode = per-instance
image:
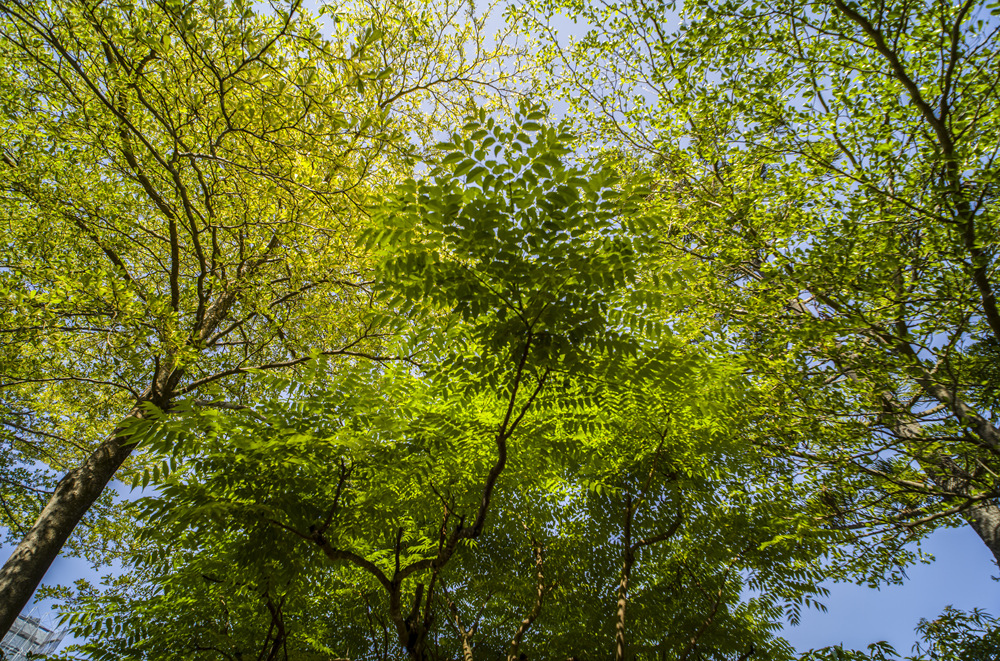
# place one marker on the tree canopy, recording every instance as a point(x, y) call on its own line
point(398, 364)
point(184, 183)
point(829, 172)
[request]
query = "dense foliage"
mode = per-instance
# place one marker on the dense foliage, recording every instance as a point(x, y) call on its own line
point(627, 385)
point(829, 174)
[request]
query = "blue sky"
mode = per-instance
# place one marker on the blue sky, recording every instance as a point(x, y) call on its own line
point(961, 576)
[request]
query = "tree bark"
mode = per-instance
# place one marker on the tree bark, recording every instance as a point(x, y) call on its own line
point(73, 496)
point(623, 585)
point(466, 645)
point(536, 608)
point(464, 634)
point(985, 520)
point(620, 615)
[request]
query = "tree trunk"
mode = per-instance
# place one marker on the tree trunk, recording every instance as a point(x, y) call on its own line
point(466, 648)
point(620, 616)
point(73, 496)
point(985, 520)
point(623, 585)
point(417, 652)
point(983, 517)
point(410, 630)
point(536, 608)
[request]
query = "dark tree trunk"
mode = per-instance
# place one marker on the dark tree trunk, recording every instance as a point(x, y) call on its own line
point(73, 496)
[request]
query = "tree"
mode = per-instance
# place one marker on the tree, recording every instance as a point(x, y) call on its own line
point(676, 523)
point(828, 176)
point(458, 503)
point(220, 569)
point(958, 635)
point(525, 313)
point(183, 187)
